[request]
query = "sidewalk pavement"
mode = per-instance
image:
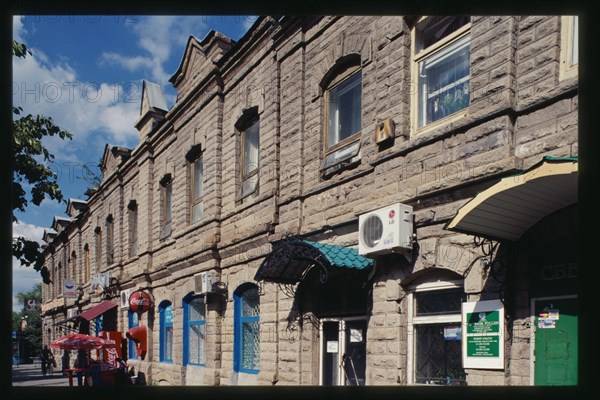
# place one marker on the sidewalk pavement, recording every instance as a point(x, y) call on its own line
point(31, 375)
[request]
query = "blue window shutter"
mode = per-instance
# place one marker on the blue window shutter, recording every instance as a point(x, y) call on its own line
point(131, 343)
point(186, 307)
point(161, 313)
point(237, 340)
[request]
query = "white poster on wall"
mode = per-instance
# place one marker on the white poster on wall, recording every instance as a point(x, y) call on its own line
point(483, 334)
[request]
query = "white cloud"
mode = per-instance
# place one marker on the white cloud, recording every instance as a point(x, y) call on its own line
point(248, 21)
point(157, 37)
point(18, 29)
point(28, 231)
point(129, 63)
point(24, 278)
point(88, 110)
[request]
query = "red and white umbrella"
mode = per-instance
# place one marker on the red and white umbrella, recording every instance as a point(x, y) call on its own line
point(80, 341)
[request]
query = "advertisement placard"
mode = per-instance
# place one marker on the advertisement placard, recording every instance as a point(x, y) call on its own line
point(69, 289)
point(482, 344)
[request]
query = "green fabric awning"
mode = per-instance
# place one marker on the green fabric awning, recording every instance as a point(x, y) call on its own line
point(292, 258)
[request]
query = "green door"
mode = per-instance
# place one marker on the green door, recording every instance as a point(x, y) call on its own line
point(556, 342)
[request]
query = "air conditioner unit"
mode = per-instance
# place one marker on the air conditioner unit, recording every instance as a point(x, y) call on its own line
point(204, 282)
point(125, 298)
point(386, 230)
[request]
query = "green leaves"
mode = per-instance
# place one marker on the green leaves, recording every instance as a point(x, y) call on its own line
point(30, 165)
point(28, 133)
point(20, 50)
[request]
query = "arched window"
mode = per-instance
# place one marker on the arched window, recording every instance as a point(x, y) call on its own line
point(342, 125)
point(246, 329)
point(98, 250)
point(74, 273)
point(133, 323)
point(86, 263)
point(194, 330)
point(343, 107)
point(196, 168)
point(165, 311)
point(110, 237)
point(59, 283)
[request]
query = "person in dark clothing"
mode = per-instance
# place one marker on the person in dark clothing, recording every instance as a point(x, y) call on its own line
point(47, 358)
point(81, 362)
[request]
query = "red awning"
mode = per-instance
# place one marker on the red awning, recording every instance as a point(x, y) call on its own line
point(98, 310)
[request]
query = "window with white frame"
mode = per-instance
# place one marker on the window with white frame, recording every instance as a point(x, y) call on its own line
point(343, 102)
point(434, 333)
point(343, 118)
point(441, 67)
point(248, 127)
point(194, 331)
point(194, 158)
point(569, 47)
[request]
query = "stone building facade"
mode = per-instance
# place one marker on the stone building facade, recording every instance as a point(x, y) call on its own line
point(264, 149)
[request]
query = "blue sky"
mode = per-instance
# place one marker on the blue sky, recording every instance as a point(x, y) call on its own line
point(86, 73)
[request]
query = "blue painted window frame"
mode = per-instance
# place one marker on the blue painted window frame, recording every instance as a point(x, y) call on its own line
point(239, 320)
point(98, 325)
point(187, 325)
point(163, 332)
point(132, 323)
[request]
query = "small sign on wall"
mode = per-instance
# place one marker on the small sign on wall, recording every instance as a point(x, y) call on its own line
point(483, 328)
point(332, 346)
point(69, 289)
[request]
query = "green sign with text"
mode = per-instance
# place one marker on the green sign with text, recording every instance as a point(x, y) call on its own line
point(483, 339)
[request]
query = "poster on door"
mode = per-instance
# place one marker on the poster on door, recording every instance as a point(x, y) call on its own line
point(482, 345)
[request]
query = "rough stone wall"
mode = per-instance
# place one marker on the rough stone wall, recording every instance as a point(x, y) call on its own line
point(519, 112)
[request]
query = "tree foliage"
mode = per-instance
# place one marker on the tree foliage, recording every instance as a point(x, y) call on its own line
point(93, 178)
point(31, 336)
point(31, 172)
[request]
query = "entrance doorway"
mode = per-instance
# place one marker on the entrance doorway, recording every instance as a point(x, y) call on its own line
point(555, 346)
point(343, 351)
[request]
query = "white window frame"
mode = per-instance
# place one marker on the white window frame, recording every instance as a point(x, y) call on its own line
point(416, 58)
point(569, 40)
point(341, 344)
point(246, 177)
point(339, 80)
point(431, 319)
point(196, 201)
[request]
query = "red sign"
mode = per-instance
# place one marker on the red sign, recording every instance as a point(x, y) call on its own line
point(112, 353)
point(140, 302)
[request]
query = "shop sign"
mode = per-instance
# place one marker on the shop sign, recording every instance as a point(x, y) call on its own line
point(69, 289)
point(31, 304)
point(482, 337)
point(99, 282)
point(140, 301)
